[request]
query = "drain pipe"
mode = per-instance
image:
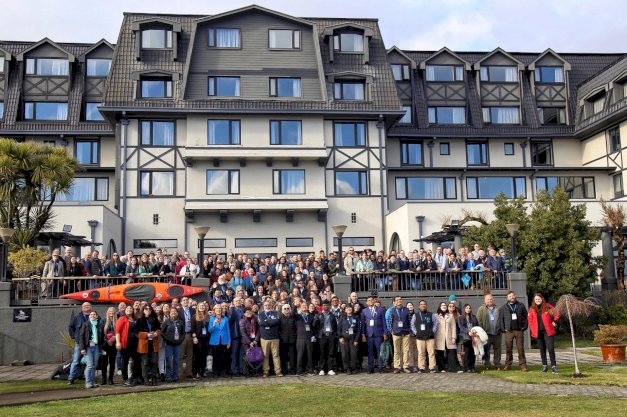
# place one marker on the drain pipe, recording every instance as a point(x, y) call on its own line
point(125, 124)
point(382, 185)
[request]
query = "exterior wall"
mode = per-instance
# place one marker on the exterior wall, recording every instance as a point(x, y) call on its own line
point(139, 220)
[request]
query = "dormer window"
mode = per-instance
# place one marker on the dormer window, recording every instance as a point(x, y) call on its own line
point(284, 39)
point(156, 87)
point(348, 42)
point(549, 74)
point(595, 104)
point(1, 64)
point(499, 74)
point(224, 38)
point(98, 67)
point(400, 72)
point(47, 66)
point(445, 73)
point(349, 90)
point(156, 39)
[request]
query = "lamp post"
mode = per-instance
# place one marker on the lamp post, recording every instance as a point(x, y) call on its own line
point(513, 228)
point(202, 232)
point(339, 231)
point(5, 233)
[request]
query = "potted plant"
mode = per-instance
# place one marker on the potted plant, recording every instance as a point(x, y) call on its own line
point(611, 339)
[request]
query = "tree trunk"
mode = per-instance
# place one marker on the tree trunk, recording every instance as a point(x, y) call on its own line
point(572, 335)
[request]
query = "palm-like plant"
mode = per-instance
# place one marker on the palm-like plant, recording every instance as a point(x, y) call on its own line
point(32, 176)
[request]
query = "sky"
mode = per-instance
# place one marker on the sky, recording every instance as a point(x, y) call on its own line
point(462, 25)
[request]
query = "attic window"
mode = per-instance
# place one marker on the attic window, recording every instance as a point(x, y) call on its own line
point(156, 87)
point(47, 66)
point(349, 90)
point(400, 72)
point(156, 39)
point(499, 74)
point(445, 73)
point(596, 103)
point(1, 64)
point(549, 75)
point(348, 42)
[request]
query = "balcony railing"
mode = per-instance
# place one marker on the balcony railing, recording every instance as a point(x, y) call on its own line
point(404, 281)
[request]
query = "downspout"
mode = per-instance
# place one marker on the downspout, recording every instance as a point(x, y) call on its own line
point(125, 123)
point(461, 185)
point(431, 145)
point(523, 146)
point(382, 185)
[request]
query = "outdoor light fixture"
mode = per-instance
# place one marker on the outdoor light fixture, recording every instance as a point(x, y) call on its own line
point(339, 230)
point(202, 232)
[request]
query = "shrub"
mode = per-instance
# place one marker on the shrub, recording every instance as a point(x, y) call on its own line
point(27, 261)
point(610, 335)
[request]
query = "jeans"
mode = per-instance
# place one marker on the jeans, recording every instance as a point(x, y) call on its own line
point(91, 354)
point(172, 354)
point(76, 357)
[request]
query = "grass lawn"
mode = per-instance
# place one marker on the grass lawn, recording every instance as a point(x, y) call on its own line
point(595, 375)
point(564, 341)
point(32, 386)
point(319, 400)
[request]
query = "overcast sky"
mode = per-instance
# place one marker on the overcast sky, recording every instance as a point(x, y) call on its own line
point(477, 25)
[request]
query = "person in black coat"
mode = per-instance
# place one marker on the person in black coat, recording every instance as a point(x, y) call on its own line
point(287, 332)
point(326, 329)
point(349, 333)
point(305, 336)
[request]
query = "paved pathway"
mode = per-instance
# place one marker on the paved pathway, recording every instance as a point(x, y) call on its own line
point(470, 383)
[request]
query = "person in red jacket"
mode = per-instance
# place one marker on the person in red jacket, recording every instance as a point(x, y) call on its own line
point(543, 320)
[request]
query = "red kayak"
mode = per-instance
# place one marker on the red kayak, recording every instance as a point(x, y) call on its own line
point(144, 291)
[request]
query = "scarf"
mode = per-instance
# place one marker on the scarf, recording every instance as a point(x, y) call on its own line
point(94, 331)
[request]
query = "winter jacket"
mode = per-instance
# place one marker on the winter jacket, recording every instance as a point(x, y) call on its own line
point(447, 331)
point(548, 318)
point(85, 335)
point(287, 329)
point(465, 326)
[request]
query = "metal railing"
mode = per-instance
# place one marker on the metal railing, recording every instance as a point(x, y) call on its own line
point(399, 281)
point(35, 288)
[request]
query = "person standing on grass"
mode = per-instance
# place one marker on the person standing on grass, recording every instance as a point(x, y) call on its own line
point(513, 322)
point(91, 340)
point(173, 332)
point(543, 320)
point(488, 318)
point(465, 322)
point(74, 330)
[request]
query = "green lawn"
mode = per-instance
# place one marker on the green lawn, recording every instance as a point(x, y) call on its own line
point(33, 386)
point(595, 375)
point(319, 400)
point(564, 341)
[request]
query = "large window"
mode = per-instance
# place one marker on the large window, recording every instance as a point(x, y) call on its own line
point(541, 153)
point(490, 187)
point(577, 187)
point(351, 183)
point(299, 242)
point(549, 74)
point(551, 115)
point(156, 88)
point(595, 104)
point(98, 67)
point(349, 90)
point(286, 132)
point(288, 181)
point(447, 115)
point(156, 39)
point(614, 137)
point(285, 87)
point(406, 119)
point(155, 243)
point(433, 188)
point(222, 181)
point(411, 153)
point(255, 242)
point(350, 134)
point(42, 110)
point(157, 132)
point(47, 66)
point(400, 72)
point(284, 39)
point(355, 241)
point(499, 74)
point(156, 183)
point(477, 153)
point(87, 151)
point(445, 73)
point(617, 182)
point(224, 86)
point(501, 115)
point(348, 42)
point(223, 132)
point(87, 189)
point(224, 38)
point(92, 113)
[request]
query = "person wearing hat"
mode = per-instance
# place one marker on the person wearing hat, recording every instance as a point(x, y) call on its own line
point(326, 325)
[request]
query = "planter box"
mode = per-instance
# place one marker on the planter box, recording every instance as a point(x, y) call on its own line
point(613, 353)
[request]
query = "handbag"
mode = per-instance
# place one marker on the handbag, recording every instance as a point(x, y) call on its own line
point(385, 351)
point(254, 354)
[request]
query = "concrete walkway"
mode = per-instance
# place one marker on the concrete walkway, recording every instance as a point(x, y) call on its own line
point(471, 383)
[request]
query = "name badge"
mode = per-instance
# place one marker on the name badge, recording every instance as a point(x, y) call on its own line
point(491, 318)
point(400, 324)
point(327, 329)
point(176, 336)
point(267, 328)
point(423, 327)
point(204, 331)
point(350, 331)
point(371, 323)
point(514, 316)
point(307, 328)
point(252, 336)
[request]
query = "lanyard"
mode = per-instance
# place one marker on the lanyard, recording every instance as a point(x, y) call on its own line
point(513, 308)
point(398, 313)
point(149, 326)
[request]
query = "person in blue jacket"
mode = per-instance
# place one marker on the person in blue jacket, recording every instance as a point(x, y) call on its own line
point(373, 332)
point(219, 340)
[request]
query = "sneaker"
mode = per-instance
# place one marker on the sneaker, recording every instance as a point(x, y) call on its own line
point(279, 375)
point(443, 371)
point(433, 371)
point(407, 370)
point(545, 368)
point(321, 373)
point(119, 372)
point(422, 371)
point(349, 371)
point(371, 371)
point(70, 382)
point(460, 371)
point(331, 372)
point(397, 371)
point(554, 369)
